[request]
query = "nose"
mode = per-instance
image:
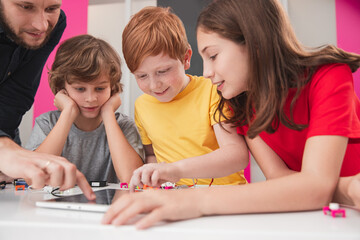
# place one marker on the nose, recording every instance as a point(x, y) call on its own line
point(155, 83)
point(90, 96)
point(208, 71)
point(40, 21)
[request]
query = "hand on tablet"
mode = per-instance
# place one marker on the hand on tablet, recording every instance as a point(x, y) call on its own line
point(41, 169)
point(159, 205)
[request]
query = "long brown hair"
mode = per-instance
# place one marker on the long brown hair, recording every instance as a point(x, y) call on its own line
point(278, 61)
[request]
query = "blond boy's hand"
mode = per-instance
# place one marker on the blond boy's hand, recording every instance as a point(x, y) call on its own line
point(154, 174)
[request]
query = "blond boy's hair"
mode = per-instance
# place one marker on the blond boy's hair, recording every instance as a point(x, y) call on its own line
point(84, 58)
point(152, 31)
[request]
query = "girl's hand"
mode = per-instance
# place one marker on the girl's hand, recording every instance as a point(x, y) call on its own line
point(354, 190)
point(62, 101)
point(112, 104)
point(159, 204)
point(154, 174)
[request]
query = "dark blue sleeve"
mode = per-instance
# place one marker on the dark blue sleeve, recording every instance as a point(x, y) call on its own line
point(19, 89)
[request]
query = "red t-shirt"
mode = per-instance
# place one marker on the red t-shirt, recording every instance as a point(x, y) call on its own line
point(329, 106)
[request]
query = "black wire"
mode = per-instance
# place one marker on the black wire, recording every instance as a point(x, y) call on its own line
point(56, 194)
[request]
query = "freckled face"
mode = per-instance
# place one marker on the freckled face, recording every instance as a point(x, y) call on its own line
point(161, 77)
point(226, 63)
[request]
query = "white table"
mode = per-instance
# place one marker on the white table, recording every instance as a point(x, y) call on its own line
point(20, 219)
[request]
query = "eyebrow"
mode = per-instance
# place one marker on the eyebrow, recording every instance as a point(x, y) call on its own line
point(79, 82)
point(25, 2)
point(103, 82)
point(204, 49)
point(138, 72)
point(156, 69)
point(58, 5)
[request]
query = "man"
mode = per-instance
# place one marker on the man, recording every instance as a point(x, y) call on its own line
point(29, 31)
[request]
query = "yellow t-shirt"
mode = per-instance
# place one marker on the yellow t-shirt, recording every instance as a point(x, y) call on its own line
point(182, 128)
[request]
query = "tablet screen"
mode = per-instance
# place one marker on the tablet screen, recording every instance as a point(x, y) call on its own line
point(79, 202)
point(104, 196)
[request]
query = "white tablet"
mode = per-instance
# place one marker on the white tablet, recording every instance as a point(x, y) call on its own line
point(80, 203)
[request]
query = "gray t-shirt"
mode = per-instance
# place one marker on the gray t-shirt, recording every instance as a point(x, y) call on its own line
point(89, 151)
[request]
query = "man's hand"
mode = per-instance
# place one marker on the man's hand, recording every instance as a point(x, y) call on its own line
point(41, 169)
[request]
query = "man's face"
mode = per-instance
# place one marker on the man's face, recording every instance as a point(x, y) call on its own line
point(29, 23)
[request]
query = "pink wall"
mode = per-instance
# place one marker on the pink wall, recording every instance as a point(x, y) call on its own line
point(76, 13)
point(348, 30)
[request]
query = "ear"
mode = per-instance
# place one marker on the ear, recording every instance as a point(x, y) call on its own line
point(187, 58)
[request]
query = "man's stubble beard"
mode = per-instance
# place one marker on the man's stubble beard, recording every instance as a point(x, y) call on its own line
point(10, 33)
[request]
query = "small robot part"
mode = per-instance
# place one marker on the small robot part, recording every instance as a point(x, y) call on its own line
point(334, 210)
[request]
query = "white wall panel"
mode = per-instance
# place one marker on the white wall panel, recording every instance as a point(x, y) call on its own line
point(107, 20)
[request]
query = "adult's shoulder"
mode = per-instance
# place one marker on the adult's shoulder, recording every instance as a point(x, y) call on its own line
point(57, 32)
point(62, 18)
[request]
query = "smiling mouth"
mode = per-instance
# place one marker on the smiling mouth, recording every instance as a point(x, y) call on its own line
point(36, 35)
point(161, 93)
point(220, 84)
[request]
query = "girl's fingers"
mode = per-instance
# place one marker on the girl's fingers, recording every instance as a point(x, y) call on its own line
point(131, 210)
point(116, 209)
point(354, 190)
point(150, 219)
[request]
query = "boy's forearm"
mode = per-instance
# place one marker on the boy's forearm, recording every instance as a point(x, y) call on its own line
point(55, 141)
point(219, 163)
point(125, 158)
